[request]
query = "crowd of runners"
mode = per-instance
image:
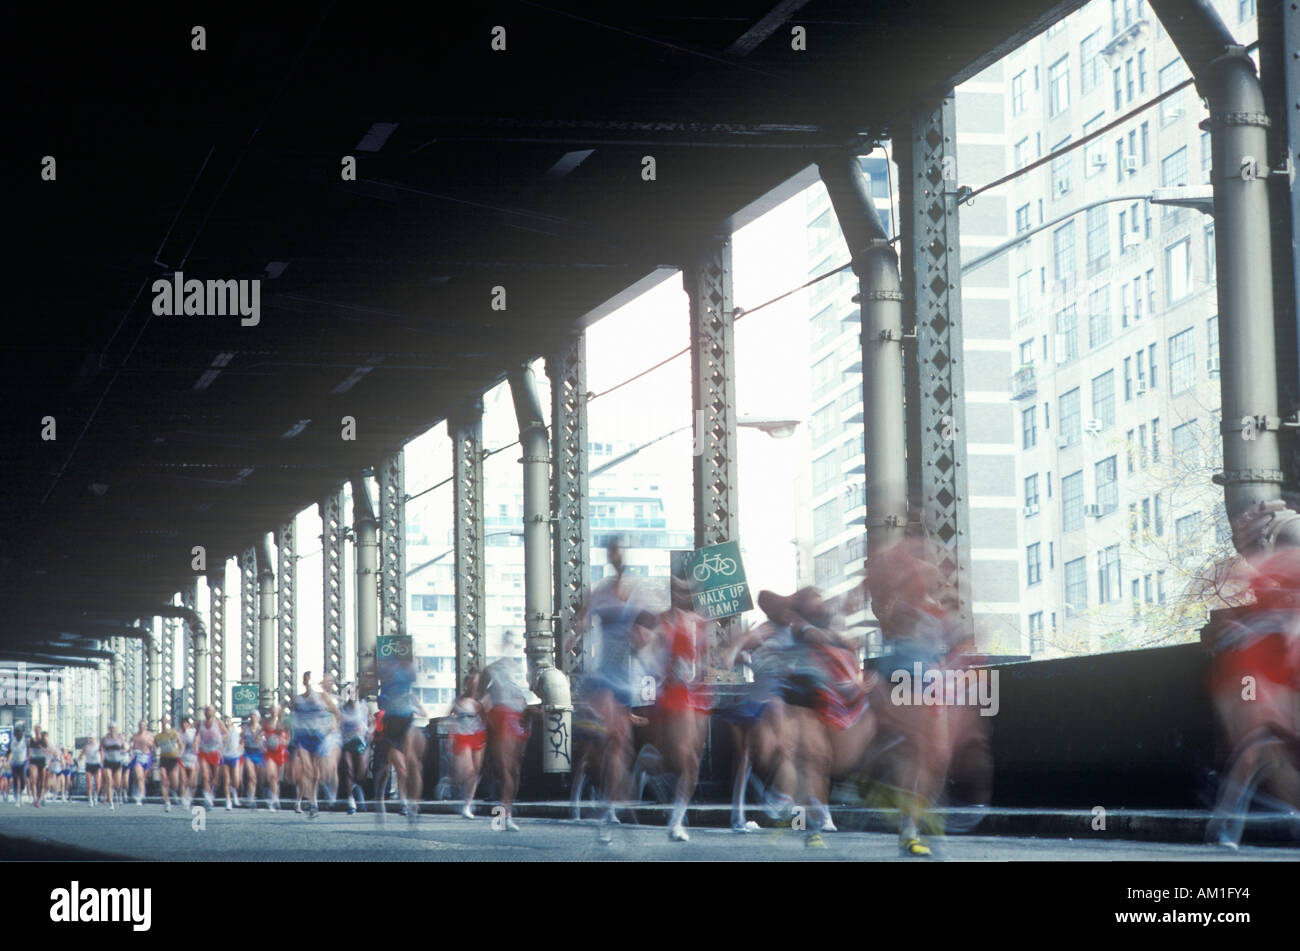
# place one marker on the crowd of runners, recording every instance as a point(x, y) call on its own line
point(814, 720)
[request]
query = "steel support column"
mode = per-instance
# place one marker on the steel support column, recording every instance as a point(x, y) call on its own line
point(286, 543)
point(214, 692)
point(392, 544)
point(152, 647)
point(117, 675)
point(132, 658)
point(546, 679)
point(248, 615)
point(713, 398)
point(932, 278)
point(366, 527)
point(189, 645)
point(331, 543)
point(567, 370)
point(167, 654)
point(266, 605)
point(466, 430)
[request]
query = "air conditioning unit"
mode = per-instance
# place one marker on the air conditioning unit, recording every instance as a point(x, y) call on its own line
point(1131, 164)
point(1212, 364)
point(1063, 186)
point(1141, 388)
point(1132, 239)
point(1093, 426)
point(1030, 511)
point(1063, 442)
point(1098, 160)
point(1092, 511)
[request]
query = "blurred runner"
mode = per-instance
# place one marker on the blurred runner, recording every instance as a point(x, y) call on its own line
point(468, 741)
point(142, 747)
point(1255, 686)
point(169, 762)
point(506, 697)
point(354, 728)
point(685, 700)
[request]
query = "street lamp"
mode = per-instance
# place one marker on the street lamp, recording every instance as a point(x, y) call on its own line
point(774, 426)
point(1199, 197)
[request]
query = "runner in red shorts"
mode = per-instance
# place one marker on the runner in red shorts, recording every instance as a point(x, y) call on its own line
point(685, 700)
point(276, 740)
point(468, 740)
point(507, 701)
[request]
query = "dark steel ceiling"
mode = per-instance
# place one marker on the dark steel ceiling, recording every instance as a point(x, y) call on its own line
point(220, 162)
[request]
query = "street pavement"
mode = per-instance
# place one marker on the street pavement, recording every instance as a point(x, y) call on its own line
point(74, 831)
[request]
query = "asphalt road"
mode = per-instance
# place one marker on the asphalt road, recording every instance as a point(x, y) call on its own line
point(63, 831)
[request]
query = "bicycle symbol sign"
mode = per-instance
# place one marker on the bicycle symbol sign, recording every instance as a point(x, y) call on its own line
point(717, 579)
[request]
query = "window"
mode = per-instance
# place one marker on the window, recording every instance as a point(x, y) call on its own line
point(1067, 335)
point(1126, 301)
point(1034, 564)
point(1022, 156)
point(1098, 239)
point(1035, 632)
point(1128, 441)
point(1146, 515)
point(1178, 270)
point(822, 421)
point(1159, 517)
point(1058, 86)
point(824, 375)
point(1029, 427)
point(826, 473)
point(826, 520)
point(1072, 502)
point(1151, 361)
point(1173, 168)
point(1151, 291)
point(1094, 153)
point(826, 567)
point(1182, 362)
point(1146, 140)
point(1024, 290)
point(1142, 70)
point(1103, 399)
point(1107, 485)
point(1099, 317)
point(1137, 598)
point(1171, 74)
point(1155, 439)
point(1109, 584)
point(1211, 256)
point(1076, 587)
point(1118, 86)
point(1212, 336)
point(1026, 352)
point(1061, 166)
point(825, 326)
point(1160, 587)
point(1187, 535)
point(1063, 251)
point(1142, 445)
point(1090, 62)
point(1206, 158)
point(1031, 494)
point(1245, 10)
point(1128, 381)
point(1183, 439)
point(1068, 415)
point(1018, 93)
point(1022, 219)
point(1137, 298)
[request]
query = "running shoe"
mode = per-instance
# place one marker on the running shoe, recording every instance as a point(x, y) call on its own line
point(678, 834)
point(467, 812)
point(511, 825)
point(815, 841)
point(229, 806)
point(913, 846)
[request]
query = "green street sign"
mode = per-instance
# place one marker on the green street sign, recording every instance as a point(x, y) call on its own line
point(394, 647)
point(717, 580)
point(243, 699)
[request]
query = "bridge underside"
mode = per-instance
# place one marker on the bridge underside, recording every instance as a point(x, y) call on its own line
point(475, 169)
